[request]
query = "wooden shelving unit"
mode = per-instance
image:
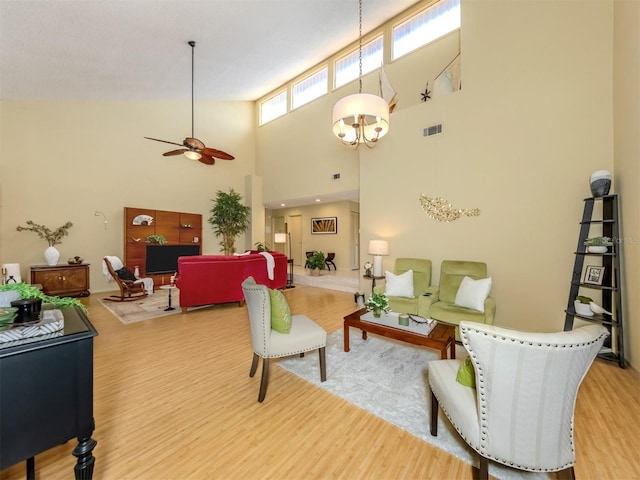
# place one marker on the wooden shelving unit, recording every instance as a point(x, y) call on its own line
point(178, 228)
point(610, 288)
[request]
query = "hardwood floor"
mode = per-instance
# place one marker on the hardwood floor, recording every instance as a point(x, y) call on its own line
point(173, 401)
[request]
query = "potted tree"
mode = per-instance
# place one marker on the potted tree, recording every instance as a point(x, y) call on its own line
point(229, 218)
point(315, 261)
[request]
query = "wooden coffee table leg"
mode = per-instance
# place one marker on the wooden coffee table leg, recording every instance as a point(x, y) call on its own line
point(453, 349)
point(346, 337)
point(364, 335)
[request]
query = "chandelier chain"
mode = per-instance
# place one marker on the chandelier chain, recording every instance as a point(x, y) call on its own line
point(360, 45)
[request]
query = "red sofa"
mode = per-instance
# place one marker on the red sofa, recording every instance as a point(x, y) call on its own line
point(212, 279)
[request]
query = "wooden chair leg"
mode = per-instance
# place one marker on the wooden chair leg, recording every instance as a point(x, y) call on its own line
point(483, 471)
point(254, 365)
point(265, 379)
point(567, 474)
point(323, 364)
point(434, 415)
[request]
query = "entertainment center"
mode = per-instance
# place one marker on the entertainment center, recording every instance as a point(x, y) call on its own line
point(183, 237)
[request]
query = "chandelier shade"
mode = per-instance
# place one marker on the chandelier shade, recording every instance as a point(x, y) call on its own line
point(360, 118)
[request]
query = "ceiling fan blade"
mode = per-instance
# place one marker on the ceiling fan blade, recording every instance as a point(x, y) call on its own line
point(180, 151)
point(163, 141)
point(217, 153)
point(207, 159)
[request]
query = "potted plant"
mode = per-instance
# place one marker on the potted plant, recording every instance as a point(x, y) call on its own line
point(229, 218)
point(315, 261)
point(262, 247)
point(598, 244)
point(582, 306)
point(378, 303)
point(26, 291)
point(53, 238)
point(159, 239)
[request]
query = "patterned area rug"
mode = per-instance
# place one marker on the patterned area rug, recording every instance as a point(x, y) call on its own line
point(388, 378)
point(151, 306)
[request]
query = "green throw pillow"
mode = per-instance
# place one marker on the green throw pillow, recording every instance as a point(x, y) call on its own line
point(466, 374)
point(280, 312)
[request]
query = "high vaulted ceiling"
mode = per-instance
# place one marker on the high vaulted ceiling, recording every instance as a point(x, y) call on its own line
point(137, 49)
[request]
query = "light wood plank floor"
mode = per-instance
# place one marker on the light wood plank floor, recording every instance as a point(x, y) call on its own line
point(173, 401)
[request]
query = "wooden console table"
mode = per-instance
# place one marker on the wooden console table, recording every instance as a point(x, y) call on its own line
point(46, 395)
point(62, 280)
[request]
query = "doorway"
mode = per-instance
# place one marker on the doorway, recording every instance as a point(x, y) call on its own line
point(295, 228)
point(355, 241)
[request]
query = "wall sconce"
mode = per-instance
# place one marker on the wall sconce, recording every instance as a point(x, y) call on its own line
point(377, 248)
point(97, 214)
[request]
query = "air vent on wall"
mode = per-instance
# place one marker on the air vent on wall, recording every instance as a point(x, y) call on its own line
point(432, 130)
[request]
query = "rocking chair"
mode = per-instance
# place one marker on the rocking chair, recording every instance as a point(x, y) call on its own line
point(129, 290)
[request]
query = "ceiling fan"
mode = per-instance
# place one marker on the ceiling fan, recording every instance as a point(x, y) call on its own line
point(194, 148)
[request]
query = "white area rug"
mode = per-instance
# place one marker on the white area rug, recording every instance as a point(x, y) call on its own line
point(389, 379)
point(151, 306)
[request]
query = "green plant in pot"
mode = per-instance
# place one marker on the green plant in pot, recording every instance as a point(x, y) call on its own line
point(229, 218)
point(598, 244)
point(157, 239)
point(378, 303)
point(315, 261)
point(26, 291)
point(262, 247)
point(582, 306)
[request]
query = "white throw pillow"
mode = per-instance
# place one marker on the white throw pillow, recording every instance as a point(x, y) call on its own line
point(399, 285)
point(472, 293)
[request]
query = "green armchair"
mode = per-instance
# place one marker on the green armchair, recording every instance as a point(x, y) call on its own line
point(443, 296)
point(419, 304)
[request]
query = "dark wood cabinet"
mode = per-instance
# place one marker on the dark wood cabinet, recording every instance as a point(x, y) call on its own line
point(46, 395)
point(62, 280)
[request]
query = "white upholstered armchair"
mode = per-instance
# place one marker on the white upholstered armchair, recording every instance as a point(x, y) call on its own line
point(521, 412)
point(305, 334)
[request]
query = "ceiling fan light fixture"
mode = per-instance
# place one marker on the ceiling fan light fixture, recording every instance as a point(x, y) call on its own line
point(191, 155)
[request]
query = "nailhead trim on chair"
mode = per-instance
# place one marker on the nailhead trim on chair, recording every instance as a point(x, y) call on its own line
point(480, 386)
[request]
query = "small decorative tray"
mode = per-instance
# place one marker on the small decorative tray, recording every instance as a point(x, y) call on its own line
point(51, 324)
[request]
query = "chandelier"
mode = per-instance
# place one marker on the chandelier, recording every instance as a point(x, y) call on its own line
point(361, 117)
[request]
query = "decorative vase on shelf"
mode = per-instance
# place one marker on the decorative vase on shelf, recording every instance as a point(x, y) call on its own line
point(600, 183)
point(52, 255)
point(596, 249)
point(377, 312)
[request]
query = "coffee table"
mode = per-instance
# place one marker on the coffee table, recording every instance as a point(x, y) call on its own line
point(440, 338)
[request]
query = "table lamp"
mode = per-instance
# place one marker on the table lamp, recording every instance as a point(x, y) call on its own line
point(377, 248)
point(282, 238)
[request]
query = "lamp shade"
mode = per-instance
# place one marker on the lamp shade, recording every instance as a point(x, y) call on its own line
point(357, 117)
point(378, 247)
point(280, 238)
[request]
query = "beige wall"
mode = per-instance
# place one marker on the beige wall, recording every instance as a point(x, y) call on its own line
point(340, 243)
point(533, 121)
point(626, 98)
point(535, 117)
point(61, 161)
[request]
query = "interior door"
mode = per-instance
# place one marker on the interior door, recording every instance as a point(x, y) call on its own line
point(295, 228)
point(355, 241)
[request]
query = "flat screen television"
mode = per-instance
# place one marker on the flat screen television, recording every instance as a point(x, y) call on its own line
point(164, 258)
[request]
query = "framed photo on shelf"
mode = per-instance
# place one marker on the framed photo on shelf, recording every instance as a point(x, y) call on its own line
point(593, 275)
point(324, 225)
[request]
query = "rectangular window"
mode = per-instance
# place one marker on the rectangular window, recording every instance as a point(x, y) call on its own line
point(428, 25)
point(310, 88)
point(275, 107)
point(348, 67)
